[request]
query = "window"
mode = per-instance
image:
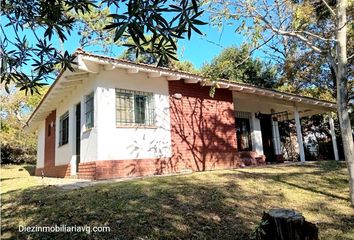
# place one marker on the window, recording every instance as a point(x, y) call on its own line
point(89, 111)
point(64, 129)
point(134, 108)
point(243, 131)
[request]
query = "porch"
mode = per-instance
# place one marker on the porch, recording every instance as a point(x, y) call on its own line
point(260, 118)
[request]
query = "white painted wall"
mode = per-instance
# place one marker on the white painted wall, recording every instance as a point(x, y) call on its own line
point(66, 153)
point(122, 143)
point(256, 135)
point(89, 136)
point(40, 146)
point(105, 141)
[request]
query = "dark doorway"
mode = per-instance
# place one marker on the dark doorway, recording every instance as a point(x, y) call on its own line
point(266, 128)
point(78, 135)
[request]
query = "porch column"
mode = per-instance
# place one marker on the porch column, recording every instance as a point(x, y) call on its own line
point(276, 137)
point(256, 135)
point(299, 135)
point(72, 139)
point(333, 135)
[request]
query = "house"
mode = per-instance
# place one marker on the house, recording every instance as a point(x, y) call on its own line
point(115, 118)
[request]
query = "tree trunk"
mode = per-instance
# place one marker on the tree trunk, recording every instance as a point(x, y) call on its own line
point(342, 93)
point(285, 224)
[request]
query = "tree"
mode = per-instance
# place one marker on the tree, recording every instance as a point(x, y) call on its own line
point(17, 146)
point(185, 66)
point(303, 21)
point(90, 25)
point(253, 71)
point(29, 63)
point(149, 57)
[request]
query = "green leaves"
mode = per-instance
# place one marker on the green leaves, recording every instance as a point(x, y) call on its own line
point(120, 31)
point(46, 20)
point(28, 65)
point(232, 64)
point(149, 18)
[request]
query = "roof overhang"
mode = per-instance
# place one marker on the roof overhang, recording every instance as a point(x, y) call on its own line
point(88, 63)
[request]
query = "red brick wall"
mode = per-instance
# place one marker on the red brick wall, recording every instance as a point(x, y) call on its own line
point(87, 170)
point(54, 171)
point(50, 170)
point(49, 141)
point(107, 169)
point(203, 129)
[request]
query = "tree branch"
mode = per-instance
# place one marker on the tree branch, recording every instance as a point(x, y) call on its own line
point(332, 62)
point(316, 36)
point(329, 8)
point(290, 34)
point(252, 51)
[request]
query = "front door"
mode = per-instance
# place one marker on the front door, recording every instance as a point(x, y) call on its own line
point(267, 140)
point(49, 140)
point(78, 135)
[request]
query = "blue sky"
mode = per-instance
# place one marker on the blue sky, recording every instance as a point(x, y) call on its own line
point(202, 49)
point(198, 50)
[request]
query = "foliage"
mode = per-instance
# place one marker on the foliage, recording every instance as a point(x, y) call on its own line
point(258, 231)
point(222, 204)
point(90, 25)
point(17, 145)
point(253, 71)
point(28, 64)
point(297, 35)
point(185, 66)
point(44, 19)
point(148, 57)
point(314, 68)
point(316, 129)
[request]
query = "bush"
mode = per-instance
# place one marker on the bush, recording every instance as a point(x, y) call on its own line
point(16, 155)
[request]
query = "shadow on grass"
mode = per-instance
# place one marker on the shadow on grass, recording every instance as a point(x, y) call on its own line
point(163, 208)
point(30, 169)
point(280, 178)
point(4, 179)
point(215, 206)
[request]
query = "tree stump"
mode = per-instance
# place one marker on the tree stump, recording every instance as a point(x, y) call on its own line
point(286, 224)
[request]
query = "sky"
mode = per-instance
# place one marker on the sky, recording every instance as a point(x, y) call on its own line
point(200, 49)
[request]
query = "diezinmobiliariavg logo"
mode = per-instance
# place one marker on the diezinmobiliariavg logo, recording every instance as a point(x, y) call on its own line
point(63, 228)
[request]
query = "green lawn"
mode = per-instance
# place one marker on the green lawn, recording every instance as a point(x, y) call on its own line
point(208, 205)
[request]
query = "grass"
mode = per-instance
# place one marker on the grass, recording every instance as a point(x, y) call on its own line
point(225, 204)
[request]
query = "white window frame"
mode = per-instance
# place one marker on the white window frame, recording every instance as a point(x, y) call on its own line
point(61, 130)
point(88, 98)
point(126, 115)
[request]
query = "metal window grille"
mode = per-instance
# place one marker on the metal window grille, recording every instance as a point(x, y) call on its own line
point(239, 114)
point(89, 110)
point(134, 108)
point(243, 134)
point(64, 129)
